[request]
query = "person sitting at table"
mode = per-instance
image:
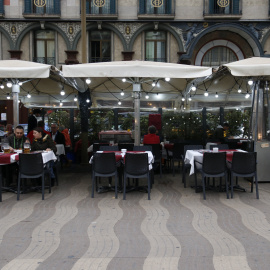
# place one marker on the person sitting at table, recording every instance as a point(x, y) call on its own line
point(9, 130)
point(56, 135)
point(17, 140)
point(68, 145)
point(39, 124)
point(151, 137)
point(43, 141)
point(220, 132)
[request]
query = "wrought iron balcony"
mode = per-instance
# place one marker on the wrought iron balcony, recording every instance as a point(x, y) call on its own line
point(107, 11)
point(157, 59)
point(51, 9)
point(45, 60)
point(99, 59)
point(215, 11)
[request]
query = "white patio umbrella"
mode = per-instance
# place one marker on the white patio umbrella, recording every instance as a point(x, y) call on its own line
point(137, 73)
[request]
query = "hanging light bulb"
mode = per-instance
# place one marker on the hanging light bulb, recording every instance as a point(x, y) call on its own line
point(183, 99)
point(153, 84)
point(239, 90)
point(266, 86)
point(122, 93)
point(193, 87)
point(75, 98)
point(206, 93)
point(20, 83)
point(250, 82)
point(19, 101)
point(174, 108)
point(216, 95)
point(9, 84)
point(124, 80)
point(88, 81)
point(62, 93)
point(189, 98)
point(167, 79)
point(61, 103)
point(88, 100)
point(147, 96)
point(2, 86)
point(28, 95)
point(119, 102)
point(8, 96)
point(247, 95)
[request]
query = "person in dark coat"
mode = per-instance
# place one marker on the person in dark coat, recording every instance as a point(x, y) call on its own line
point(32, 119)
point(220, 132)
point(57, 136)
point(17, 140)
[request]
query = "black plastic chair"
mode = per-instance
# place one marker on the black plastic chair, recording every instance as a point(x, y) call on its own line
point(244, 165)
point(96, 146)
point(214, 165)
point(177, 153)
point(136, 166)
point(104, 165)
point(31, 166)
point(157, 153)
point(142, 148)
point(128, 146)
point(222, 146)
point(186, 166)
point(108, 148)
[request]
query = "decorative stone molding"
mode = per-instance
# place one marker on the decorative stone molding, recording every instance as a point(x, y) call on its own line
point(127, 29)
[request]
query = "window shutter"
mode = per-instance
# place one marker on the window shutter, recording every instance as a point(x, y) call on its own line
point(211, 6)
point(142, 7)
point(57, 6)
point(2, 11)
point(235, 4)
point(168, 7)
point(27, 6)
point(112, 6)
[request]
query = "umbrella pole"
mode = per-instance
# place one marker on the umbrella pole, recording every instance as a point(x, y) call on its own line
point(15, 91)
point(136, 91)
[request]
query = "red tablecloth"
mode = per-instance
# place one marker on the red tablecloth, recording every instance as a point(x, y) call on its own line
point(118, 155)
point(168, 146)
point(229, 154)
point(5, 158)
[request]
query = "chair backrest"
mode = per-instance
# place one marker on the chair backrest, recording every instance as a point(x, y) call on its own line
point(136, 163)
point(31, 164)
point(192, 147)
point(178, 149)
point(96, 146)
point(244, 163)
point(222, 146)
point(108, 148)
point(104, 163)
point(214, 163)
point(128, 146)
point(156, 150)
point(142, 148)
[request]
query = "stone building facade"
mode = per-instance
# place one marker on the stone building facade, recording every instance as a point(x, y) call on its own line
point(200, 32)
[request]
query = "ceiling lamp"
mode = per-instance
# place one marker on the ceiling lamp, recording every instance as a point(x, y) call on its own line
point(266, 86)
point(250, 82)
point(216, 95)
point(167, 79)
point(28, 95)
point(146, 96)
point(239, 90)
point(88, 81)
point(183, 99)
point(119, 102)
point(124, 80)
point(2, 86)
point(247, 95)
point(122, 93)
point(62, 93)
point(88, 100)
point(189, 98)
point(8, 96)
point(75, 98)
point(153, 84)
point(61, 103)
point(9, 84)
point(174, 108)
point(20, 83)
point(193, 87)
point(206, 93)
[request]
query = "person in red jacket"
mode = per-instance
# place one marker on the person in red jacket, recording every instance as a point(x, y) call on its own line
point(151, 137)
point(40, 124)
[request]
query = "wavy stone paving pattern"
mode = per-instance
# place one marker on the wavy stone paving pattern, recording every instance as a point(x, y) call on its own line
point(104, 243)
point(46, 236)
point(229, 253)
point(165, 249)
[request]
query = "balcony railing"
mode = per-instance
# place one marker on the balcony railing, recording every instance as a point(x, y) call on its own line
point(51, 9)
point(164, 59)
point(147, 9)
point(109, 10)
point(213, 10)
point(45, 60)
point(99, 59)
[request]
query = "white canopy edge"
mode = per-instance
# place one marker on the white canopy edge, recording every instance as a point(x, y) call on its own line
point(15, 69)
point(140, 69)
point(254, 66)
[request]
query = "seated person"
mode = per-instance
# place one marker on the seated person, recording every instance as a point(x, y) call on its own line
point(43, 141)
point(39, 124)
point(17, 139)
point(151, 137)
point(56, 135)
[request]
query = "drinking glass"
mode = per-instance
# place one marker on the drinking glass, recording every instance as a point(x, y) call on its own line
point(26, 148)
point(6, 148)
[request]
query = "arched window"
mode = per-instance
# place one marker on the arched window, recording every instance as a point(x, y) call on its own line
point(44, 47)
point(100, 46)
point(218, 56)
point(155, 46)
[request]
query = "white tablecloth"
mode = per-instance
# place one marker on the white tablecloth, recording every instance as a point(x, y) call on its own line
point(190, 157)
point(46, 156)
point(60, 149)
point(207, 146)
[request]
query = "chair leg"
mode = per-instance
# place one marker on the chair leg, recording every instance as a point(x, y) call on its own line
point(160, 168)
point(19, 187)
point(116, 194)
point(43, 186)
point(184, 176)
point(173, 167)
point(149, 185)
point(257, 189)
point(226, 183)
point(232, 185)
point(203, 185)
point(124, 190)
point(93, 185)
point(252, 181)
point(195, 176)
